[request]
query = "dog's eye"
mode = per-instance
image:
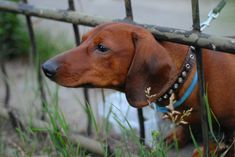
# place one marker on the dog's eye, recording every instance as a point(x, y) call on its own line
point(102, 48)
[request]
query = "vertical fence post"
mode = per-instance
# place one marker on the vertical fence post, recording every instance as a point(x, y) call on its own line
point(129, 15)
point(13, 118)
point(204, 117)
point(85, 90)
point(37, 62)
point(128, 7)
point(7, 86)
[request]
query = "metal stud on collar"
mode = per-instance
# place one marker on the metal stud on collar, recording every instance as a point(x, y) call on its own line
point(187, 66)
point(180, 80)
point(192, 56)
point(170, 91)
point(184, 73)
point(176, 85)
point(160, 99)
point(165, 96)
point(192, 48)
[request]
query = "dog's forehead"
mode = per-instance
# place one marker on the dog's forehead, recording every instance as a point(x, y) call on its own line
point(110, 28)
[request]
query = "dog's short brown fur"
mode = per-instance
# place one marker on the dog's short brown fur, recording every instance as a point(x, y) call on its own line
point(135, 61)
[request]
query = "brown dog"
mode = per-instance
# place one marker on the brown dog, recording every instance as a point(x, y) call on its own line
point(127, 58)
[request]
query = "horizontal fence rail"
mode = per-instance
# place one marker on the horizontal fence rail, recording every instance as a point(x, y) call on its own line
point(181, 36)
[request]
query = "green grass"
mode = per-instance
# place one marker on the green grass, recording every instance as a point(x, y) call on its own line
point(214, 134)
point(58, 131)
point(56, 141)
point(13, 36)
point(15, 40)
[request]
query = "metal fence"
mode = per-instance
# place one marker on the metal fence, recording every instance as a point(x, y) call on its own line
point(188, 37)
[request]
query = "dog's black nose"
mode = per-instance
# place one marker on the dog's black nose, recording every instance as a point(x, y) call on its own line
point(50, 68)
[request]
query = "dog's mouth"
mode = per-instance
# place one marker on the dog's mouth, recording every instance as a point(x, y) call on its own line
point(50, 77)
point(87, 85)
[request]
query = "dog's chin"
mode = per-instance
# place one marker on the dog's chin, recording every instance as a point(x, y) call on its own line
point(138, 104)
point(69, 85)
point(119, 88)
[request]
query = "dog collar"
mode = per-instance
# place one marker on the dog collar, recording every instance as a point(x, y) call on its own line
point(179, 81)
point(179, 102)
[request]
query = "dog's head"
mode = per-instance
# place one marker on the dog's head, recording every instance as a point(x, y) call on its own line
point(114, 55)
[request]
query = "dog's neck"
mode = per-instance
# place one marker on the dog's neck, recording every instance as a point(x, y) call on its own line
point(179, 55)
point(177, 52)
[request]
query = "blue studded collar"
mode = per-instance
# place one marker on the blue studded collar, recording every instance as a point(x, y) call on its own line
point(179, 102)
point(179, 81)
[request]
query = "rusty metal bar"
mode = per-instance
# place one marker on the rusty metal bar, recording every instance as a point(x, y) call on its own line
point(141, 125)
point(162, 33)
point(128, 7)
point(37, 61)
point(85, 90)
point(12, 116)
point(200, 70)
point(129, 16)
point(7, 86)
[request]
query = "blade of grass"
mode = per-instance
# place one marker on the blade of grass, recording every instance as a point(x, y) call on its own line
point(195, 142)
point(210, 120)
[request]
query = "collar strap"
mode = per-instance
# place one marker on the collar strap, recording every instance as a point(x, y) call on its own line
point(179, 102)
point(181, 76)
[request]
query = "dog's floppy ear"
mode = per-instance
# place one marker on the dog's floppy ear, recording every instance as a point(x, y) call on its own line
point(150, 67)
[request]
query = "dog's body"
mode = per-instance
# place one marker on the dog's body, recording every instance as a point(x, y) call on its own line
point(128, 58)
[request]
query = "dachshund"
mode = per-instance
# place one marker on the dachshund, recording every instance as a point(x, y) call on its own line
point(129, 59)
